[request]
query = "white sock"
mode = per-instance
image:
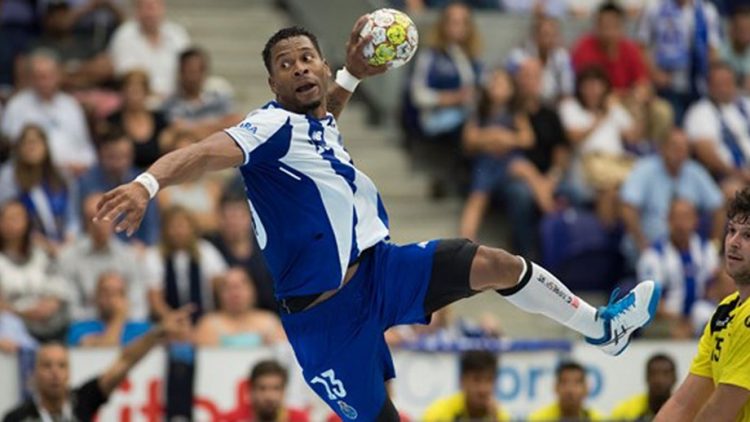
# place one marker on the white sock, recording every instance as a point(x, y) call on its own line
point(540, 292)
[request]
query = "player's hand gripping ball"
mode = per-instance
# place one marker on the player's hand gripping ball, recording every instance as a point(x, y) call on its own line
point(394, 38)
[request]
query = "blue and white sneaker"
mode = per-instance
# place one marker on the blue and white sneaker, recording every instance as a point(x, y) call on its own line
point(623, 317)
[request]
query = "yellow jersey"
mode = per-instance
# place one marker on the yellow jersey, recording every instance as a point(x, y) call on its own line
point(453, 408)
point(552, 413)
point(724, 348)
point(633, 409)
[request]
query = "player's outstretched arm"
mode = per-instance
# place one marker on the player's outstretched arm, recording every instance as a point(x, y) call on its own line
point(725, 404)
point(216, 152)
point(687, 401)
point(356, 69)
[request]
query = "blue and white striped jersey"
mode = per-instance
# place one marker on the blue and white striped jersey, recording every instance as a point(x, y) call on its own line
point(313, 211)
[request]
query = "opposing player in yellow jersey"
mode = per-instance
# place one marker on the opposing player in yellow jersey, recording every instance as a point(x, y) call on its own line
point(718, 386)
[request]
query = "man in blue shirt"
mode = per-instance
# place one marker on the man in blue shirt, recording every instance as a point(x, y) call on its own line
point(324, 233)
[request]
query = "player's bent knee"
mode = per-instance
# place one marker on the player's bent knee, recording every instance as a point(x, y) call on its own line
point(495, 269)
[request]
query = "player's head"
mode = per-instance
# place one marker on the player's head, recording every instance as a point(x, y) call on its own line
point(297, 72)
point(737, 238)
point(661, 375)
point(570, 386)
point(267, 385)
point(51, 372)
point(478, 378)
point(683, 220)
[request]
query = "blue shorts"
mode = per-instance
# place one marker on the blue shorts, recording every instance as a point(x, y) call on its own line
point(489, 171)
point(339, 343)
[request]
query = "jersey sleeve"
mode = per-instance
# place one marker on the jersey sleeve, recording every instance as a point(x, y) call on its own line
point(736, 359)
point(701, 365)
point(256, 129)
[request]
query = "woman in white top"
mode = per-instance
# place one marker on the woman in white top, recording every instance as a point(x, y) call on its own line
point(28, 286)
point(182, 268)
point(598, 129)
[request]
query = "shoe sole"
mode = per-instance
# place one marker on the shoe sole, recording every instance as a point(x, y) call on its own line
point(653, 304)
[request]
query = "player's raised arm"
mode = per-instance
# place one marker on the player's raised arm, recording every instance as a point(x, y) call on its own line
point(357, 68)
point(217, 152)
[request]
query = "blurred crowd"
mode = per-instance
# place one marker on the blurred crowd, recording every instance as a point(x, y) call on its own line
point(611, 157)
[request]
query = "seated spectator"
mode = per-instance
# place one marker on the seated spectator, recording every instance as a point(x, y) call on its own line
point(148, 130)
point(556, 8)
point(48, 196)
point(476, 400)
point(267, 381)
point(28, 286)
point(13, 333)
point(97, 20)
point(678, 37)
point(684, 264)
point(735, 51)
point(545, 45)
point(19, 21)
point(661, 376)
point(197, 107)
point(598, 128)
point(152, 43)
point(58, 113)
point(116, 167)
point(655, 180)
point(719, 128)
point(236, 243)
point(97, 252)
point(571, 390)
point(182, 268)
point(201, 196)
point(622, 61)
point(112, 325)
point(442, 89)
point(496, 137)
point(237, 322)
point(82, 65)
point(51, 377)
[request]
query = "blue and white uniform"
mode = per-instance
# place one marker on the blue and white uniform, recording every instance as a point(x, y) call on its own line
point(313, 211)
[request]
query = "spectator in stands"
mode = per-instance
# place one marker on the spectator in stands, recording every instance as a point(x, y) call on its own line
point(476, 401)
point(201, 197)
point(678, 37)
point(152, 43)
point(112, 325)
point(268, 381)
point(735, 51)
point(236, 243)
point(496, 137)
point(82, 65)
point(13, 333)
point(58, 113)
point(53, 399)
point(98, 252)
point(538, 8)
point(116, 167)
point(97, 19)
point(182, 269)
point(196, 106)
point(148, 130)
point(655, 180)
point(684, 263)
point(237, 322)
point(571, 390)
point(661, 375)
point(19, 21)
point(442, 89)
point(719, 128)
point(598, 128)
point(558, 79)
point(28, 285)
point(49, 197)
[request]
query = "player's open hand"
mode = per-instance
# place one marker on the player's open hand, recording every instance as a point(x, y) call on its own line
point(356, 63)
point(127, 202)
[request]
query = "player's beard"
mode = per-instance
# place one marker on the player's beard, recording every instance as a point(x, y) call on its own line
point(311, 106)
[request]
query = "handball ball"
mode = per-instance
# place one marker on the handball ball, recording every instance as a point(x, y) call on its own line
point(394, 38)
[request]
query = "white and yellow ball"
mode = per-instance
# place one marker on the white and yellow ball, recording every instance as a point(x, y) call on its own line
point(394, 38)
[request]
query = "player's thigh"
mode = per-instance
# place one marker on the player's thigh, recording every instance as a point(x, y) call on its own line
point(415, 280)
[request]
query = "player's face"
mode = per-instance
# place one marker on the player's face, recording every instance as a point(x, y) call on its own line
point(661, 378)
point(478, 388)
point(571, 389)
point(51, 372)
point(267, 396)
point(737, 250)
point(299, 75)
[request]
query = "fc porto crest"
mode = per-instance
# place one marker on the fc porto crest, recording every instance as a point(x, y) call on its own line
point(348, 411)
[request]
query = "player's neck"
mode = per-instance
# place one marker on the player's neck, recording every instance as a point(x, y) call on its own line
point(317, 112)
point(744, 290)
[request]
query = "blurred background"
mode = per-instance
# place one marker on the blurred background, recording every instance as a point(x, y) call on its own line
point(602, 139)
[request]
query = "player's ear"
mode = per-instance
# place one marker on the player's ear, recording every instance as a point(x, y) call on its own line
point(328, 69)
